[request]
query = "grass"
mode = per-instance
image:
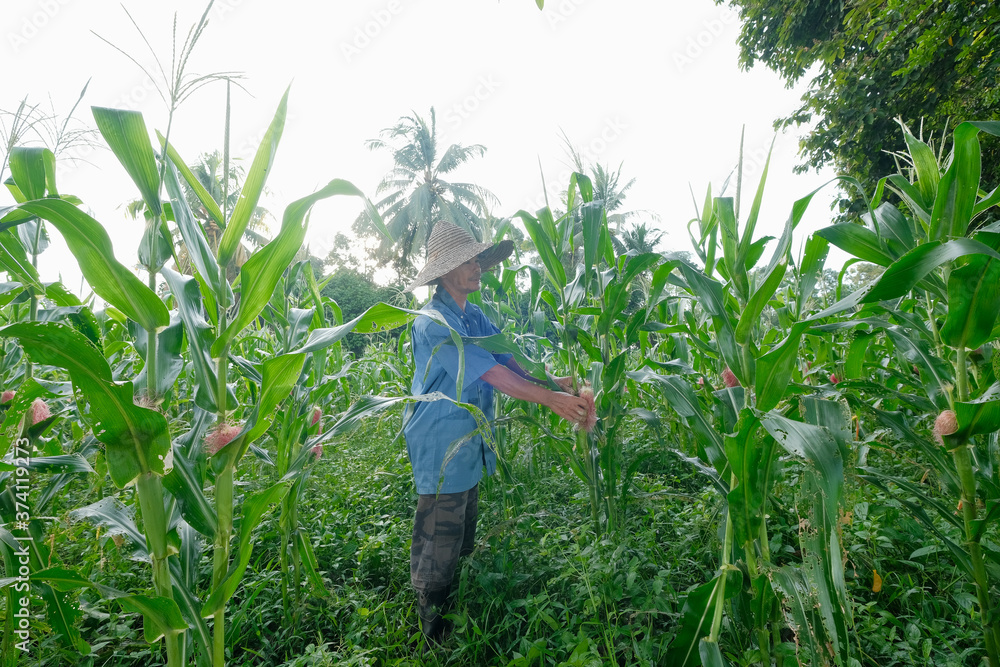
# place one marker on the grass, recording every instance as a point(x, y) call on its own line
point(539, 589)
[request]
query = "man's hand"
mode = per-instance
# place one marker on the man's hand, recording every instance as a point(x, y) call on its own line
point(566, 383)
point(571, 408)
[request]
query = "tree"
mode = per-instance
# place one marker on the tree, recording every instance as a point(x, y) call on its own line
point(931, 64)
point(356, 293)
point(416, 194)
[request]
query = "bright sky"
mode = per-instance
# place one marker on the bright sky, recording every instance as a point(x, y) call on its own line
point(651, 85)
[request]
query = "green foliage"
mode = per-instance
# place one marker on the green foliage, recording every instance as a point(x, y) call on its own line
point(354, 294)
point(930, 63)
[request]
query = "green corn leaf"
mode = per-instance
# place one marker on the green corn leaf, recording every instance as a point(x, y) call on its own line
point(725, 213)
point(380, 317)
point(197, 245)
point(92, 248)
point(978, 416)
point(253, 185)
point(544, 240)
point(857, 241)
point(299, 321)
point(279, 376)
point(751, 225)
point(14, 260)
point(911, 196)
point(935, 374)
point(810, 270)
point(33, 169)
point(800, 601)
point(957, 192)
point(750, 464)
point(309, 562)
point(186, 486)
point(200, 338)
point(895, 229)
point(252, 510)
point(127, 136)
point(63, 615)
point(117, 519)
point(696, 619)
point(592, 214)
point(973, 298)
point(816, 445)
point(774, 369)
point(169, 361)
point(712, 298)
point(160, 616)
point(926, 167)
point(192, 182)
point(682, 399)
point(710, 654)
point(263, 270)
point(137, 439)
point(904, 274)
point(750, 317)
point(855, 359)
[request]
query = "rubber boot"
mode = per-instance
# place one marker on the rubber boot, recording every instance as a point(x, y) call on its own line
point(430, 604)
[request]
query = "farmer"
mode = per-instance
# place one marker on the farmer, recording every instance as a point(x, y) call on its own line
point(445, 524)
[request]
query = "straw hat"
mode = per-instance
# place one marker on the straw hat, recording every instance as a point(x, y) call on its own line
point(450, 246)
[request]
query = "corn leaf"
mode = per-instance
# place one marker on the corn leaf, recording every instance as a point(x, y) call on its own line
point(127, 136)
point(137, 439)
point(160, 616)
point(33, 169)
point(263, 270)
point(774, 369)
point(978, 416)
point(192, 182)
point(186, 486)
point(904, 274)
point(14, 260)
point(197, 245)
point(926, 167)
point(857, 241)
point(696, 619)
point(253, 185)
point(252, 511)
point(750, 464)
point(112, 281)
point(200, 338)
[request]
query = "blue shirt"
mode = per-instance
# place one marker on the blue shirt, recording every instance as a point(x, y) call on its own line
point(434, 426)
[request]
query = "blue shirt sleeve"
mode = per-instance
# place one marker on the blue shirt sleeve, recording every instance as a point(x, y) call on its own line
point(477, 360)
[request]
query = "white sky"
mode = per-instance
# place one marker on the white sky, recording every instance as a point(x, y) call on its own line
point(651, 84)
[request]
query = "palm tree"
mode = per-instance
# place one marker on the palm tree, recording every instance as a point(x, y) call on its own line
point(416, 194)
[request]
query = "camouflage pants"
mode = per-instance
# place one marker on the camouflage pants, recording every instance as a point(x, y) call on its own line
point(443, 530)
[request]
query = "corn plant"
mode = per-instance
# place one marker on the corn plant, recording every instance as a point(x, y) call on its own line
point(739, 430)
point(934, 308)
point(128, 419)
